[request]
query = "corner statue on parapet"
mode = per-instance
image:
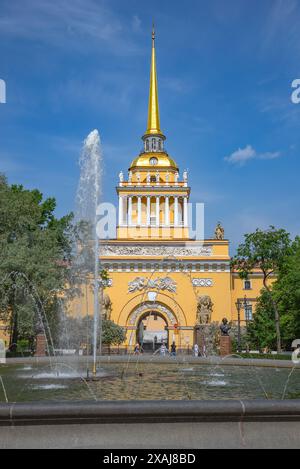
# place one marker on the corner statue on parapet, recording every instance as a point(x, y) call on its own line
point(219, 232)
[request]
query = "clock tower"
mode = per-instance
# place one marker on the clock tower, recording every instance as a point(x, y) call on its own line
point(153, 201)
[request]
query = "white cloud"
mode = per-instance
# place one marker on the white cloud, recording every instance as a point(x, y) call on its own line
point(136, 24)
point(81, 25)
point(283, 20)
point(243, 155)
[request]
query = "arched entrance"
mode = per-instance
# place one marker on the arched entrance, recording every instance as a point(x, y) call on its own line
point(150, 319)
point(152, 331)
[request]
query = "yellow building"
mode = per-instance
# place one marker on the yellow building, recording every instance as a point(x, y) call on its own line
point(162, 283)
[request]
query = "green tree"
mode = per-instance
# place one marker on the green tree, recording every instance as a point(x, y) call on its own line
point(267, 251)
point(287, 293)
point(112, 334)
point(261, 332)
point(35, 251)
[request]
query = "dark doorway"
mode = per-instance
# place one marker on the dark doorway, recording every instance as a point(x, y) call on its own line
point(152, 332)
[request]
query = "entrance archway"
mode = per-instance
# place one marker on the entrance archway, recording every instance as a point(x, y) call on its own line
point(152, 331)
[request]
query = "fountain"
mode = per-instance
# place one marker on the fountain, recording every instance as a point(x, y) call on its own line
point(87, 201)
point(2, 352)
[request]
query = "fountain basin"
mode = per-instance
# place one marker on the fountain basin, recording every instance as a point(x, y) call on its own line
point(148, 424)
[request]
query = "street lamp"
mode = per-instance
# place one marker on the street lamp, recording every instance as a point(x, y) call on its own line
point(241, 304)
point(245, 306)
point(238, 307)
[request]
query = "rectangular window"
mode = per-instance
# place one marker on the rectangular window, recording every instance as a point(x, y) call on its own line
point(247, 285)
point(248, 313)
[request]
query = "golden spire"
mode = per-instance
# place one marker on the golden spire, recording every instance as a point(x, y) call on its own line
point(153, 126)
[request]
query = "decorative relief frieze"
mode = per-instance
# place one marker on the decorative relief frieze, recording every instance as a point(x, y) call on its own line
point(167, 251)
point(202, 282)
point(155, 306)
point(142, 283)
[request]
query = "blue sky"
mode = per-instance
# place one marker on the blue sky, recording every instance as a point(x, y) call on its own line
point(225, 70)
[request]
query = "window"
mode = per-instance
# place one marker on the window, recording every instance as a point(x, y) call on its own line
point(153, 161)
point(248, 313)
point(247, 285)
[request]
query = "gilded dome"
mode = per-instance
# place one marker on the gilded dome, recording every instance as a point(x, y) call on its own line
point(154, 160)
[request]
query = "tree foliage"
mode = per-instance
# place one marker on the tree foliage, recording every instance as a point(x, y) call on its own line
point(112, 334)
point(78, 332)
point(35, 250)
point(287, 294)
point(261, 332)
point(266, 251)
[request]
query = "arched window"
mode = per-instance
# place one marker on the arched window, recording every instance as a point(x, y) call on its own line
point(153, 144)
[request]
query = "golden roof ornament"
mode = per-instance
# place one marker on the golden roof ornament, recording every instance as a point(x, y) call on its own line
point(153, 126)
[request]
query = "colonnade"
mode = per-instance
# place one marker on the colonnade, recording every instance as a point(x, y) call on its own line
point(175, 215)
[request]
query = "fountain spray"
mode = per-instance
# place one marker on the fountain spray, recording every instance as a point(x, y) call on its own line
point(87, 201)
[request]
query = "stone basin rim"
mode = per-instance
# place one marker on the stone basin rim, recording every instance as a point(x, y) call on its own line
point(188, 360)
point(102, 412)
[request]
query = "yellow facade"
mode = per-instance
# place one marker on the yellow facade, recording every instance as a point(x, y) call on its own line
point(157, 273)
point(4, 334)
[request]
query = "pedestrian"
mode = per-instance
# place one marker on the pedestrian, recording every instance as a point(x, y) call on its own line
point(196, 350)
point(137, 349)
point(173, 349)
point(163, 350)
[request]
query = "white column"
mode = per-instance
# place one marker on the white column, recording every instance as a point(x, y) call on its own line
point(129, 211)
point(176, 211)
point(167, 212)
point(185, 211)
point(139, 216)
point(157, 211)
point(148, 210)
point(120, 210)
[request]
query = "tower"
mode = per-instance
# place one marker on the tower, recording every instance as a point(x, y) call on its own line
point(153, 201)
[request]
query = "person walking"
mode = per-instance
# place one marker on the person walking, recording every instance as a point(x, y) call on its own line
point(137, 349)
point(163, 350)
point(173, 349)
point(196, 350)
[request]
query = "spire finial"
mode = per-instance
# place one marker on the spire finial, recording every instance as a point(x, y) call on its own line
point(153, 126)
